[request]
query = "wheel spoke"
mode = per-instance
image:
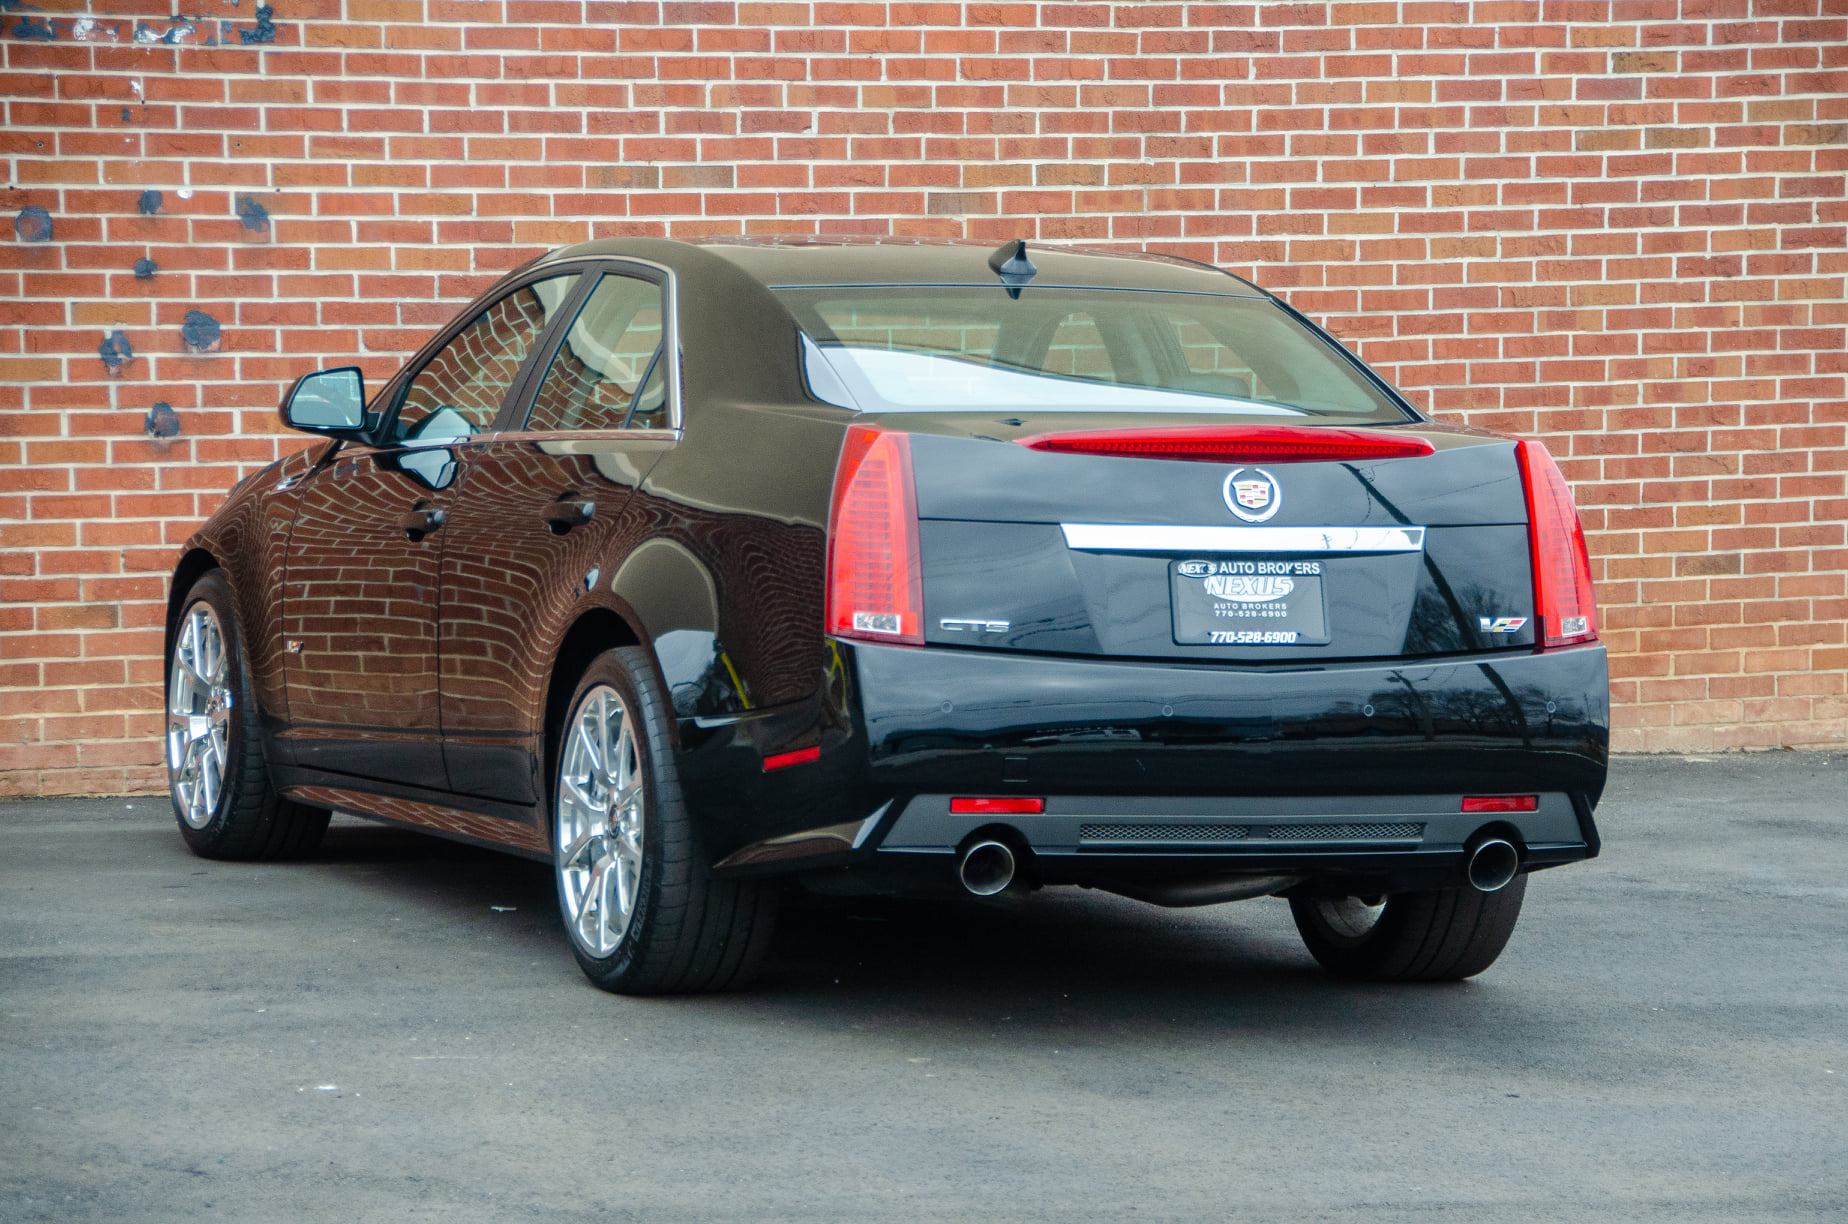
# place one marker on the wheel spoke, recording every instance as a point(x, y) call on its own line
point(609, 909)
point(580, 798)
point(625, 889)
point(585, 738)
point(574, 853)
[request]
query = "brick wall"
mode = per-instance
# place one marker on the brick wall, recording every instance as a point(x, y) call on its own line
point(1618, 225)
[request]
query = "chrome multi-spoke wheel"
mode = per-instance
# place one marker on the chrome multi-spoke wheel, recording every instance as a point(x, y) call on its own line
point(198, 715)
point(599, 821)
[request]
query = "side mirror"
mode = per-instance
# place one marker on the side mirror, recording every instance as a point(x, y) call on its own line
point(331, 402)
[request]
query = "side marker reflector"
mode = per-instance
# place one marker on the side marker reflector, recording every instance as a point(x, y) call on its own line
point(1501, 803)
point(796, 756)
point(996, 805)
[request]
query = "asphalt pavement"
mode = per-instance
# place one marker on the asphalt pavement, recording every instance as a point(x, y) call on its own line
point(396, 1031)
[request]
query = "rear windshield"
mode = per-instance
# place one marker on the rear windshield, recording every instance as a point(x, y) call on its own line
point(910, 348)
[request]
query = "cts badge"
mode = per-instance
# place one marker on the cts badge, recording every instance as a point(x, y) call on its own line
point(1501, 624)
point(1253, 494)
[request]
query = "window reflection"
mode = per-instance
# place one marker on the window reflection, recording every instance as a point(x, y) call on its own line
point(471, 375)
point(608, 374)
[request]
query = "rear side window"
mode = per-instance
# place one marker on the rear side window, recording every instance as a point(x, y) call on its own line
point(459, 391)
point(936, 348)
point(609, 372)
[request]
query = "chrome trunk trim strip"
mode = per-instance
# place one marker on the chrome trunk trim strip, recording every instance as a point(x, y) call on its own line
point(1156, 538)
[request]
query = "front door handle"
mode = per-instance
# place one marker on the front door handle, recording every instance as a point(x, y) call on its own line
point(561, 516)
point(419, 523)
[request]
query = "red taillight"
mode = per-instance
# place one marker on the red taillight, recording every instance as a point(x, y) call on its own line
point(996, 805)
point(1563, 599)
point(873, 586)
point(1235, 443)
point(1501, 803)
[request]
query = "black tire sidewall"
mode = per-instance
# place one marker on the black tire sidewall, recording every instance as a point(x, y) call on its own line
point(611, 669)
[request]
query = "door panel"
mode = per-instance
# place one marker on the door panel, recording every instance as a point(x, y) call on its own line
point(363, 570)
point(535, 535)
point(532, 525)
point(359, 621)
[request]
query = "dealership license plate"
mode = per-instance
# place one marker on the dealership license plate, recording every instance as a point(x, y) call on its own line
point(1236, 601)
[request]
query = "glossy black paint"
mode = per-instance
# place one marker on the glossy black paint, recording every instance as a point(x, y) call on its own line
point(413, 613)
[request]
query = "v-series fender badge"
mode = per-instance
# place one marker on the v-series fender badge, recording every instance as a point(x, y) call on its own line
point(1501, 624)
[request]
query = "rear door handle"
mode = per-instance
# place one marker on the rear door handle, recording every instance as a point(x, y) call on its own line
point(419, 523)
point(562, 516)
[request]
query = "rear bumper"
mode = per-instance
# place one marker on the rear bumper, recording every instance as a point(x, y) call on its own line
point(952, 721)
point(1393, 842)
point(1166, 746)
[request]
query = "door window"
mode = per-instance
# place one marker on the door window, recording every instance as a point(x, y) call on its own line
point(459, 391)
point(610, 372)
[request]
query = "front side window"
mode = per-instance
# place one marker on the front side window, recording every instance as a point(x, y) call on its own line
point(610, 372)
point(897, 348)
point(459, 391)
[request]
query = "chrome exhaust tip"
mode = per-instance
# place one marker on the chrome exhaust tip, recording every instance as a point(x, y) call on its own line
point(987, 868)
point(1492, 864)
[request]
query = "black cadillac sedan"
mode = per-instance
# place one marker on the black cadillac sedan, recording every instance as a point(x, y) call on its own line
point(901, 569)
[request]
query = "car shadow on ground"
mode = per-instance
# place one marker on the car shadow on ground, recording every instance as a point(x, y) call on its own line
point(954, 963)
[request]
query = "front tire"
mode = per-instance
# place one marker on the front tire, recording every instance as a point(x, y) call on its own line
point(1440, 935)
point(223, 799)
point(639, 903)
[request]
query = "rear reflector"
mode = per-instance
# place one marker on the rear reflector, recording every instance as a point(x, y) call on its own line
point(795, 756)
point(1563, 599)
point(873, 586)
point(1236, 443)
point(1501, 803)
point(996, 805)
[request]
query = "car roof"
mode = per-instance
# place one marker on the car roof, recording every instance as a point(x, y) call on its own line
point(844, 261)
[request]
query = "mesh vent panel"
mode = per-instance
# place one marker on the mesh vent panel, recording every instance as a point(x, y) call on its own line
point(1343, 832)
point(1163, 832)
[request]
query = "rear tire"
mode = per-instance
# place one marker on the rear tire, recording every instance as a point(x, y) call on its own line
point(1442, 935)
point(635, 889)
point(223, 799)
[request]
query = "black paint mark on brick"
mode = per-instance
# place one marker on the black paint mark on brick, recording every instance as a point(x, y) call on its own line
point(126, 117)
point(162, 421)
point(266, 27)
point(150, 202)
point(32, 31)
point(145, 269)
point(33, 224)
point(200, 331)
point(116, 351)
point(252, 214)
